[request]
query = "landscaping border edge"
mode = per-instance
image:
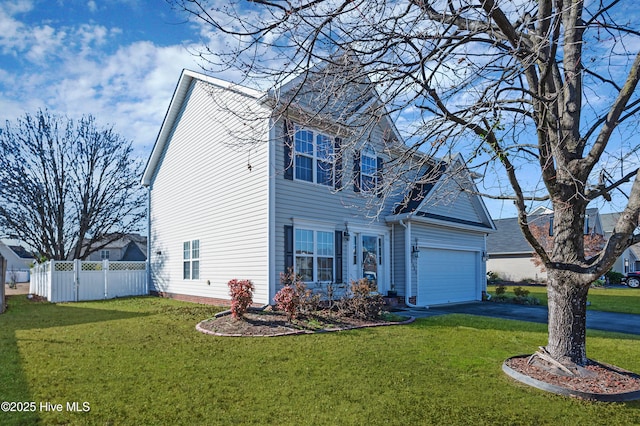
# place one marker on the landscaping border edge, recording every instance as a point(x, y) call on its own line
point(522, 378)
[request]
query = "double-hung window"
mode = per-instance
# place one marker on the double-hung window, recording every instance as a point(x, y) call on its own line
point(104, 254)
point(368, 170)
point(314, 255)
point(314, 157)
point(191, 260)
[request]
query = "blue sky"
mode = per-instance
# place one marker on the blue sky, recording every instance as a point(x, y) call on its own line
point(118, 60)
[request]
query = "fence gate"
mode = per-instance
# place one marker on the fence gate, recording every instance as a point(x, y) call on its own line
point(73, 281)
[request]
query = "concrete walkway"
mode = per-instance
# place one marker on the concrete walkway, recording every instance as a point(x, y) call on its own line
point(596, 320)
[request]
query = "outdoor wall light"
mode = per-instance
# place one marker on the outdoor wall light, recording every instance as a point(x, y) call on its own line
point(345, 233)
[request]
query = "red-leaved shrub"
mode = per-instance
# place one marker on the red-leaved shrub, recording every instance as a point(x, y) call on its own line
point(241, 292)
point(288, 300)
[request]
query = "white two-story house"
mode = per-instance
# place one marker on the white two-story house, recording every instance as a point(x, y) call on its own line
point(242, 186)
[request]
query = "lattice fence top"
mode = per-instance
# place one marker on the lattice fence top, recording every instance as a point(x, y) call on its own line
point(68, 266)
point(91, 266)
point(62, 266)
point(127, 266)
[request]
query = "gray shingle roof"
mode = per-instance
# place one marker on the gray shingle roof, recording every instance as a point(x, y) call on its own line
point(509, 237)
point(21, 252)
point(420, 190)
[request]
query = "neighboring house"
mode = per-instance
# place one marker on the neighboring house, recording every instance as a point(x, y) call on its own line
point(131, 247)
point(19, 261)
point(220, 210)
point(629, 261)
point(510, 255)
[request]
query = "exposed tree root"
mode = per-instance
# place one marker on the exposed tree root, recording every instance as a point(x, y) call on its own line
point(552, 365)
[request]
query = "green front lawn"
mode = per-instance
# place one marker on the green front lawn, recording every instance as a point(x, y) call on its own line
point(140, 361)
point(619, 299)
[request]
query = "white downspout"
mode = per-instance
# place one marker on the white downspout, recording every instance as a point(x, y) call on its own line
point(483, 271)
point(148, 274)
point(393, 255)
point(407, 263)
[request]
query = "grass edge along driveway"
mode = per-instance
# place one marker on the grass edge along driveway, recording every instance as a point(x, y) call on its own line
point(609, 299)
point(140, 361)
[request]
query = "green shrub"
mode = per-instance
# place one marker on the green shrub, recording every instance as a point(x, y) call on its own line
point(500, 290)
point(614, 277)
point(520, 292)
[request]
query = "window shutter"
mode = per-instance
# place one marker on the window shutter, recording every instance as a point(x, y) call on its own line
point(288, 248)
point(380, 167)
point(356, 172)
point(288, 150)
point(337, 179)
point(338, 250)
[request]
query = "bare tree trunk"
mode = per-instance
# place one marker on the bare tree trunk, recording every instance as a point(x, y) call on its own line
point(567, 317)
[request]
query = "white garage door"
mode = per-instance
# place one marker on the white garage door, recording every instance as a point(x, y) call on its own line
point(447, 276)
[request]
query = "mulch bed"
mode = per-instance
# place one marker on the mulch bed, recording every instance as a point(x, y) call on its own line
point(273, 323)
point(605, 380)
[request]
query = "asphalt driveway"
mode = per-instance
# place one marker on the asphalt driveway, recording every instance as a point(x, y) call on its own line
point(596, 320)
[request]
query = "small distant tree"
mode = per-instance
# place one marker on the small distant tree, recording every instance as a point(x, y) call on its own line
point(67, 187)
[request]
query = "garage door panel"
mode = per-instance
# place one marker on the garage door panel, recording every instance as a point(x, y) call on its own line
point(447, 276)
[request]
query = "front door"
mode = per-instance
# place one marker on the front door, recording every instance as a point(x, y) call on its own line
point(366, 258)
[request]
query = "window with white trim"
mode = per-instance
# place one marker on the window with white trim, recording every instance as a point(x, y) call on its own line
point(104, 254)
point(314, 255)
point(368, 170)
point(191, 260)
point(314, 156)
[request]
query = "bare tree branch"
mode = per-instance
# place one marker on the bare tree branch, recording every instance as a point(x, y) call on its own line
point(66, 185)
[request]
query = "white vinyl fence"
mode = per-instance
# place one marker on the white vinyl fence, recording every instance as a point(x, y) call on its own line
point(76, 280)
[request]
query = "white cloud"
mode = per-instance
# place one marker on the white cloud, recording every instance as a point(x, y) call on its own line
point(43, 43)
point(75, 70)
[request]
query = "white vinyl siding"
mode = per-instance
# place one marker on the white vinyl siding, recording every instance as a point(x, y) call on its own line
point(204, 187)
point(298, 200)
point(515, 268)
point(449, 201)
